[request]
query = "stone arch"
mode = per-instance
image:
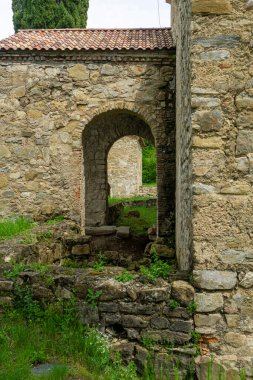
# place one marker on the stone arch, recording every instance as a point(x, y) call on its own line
point(150, 116)
point(98, 137)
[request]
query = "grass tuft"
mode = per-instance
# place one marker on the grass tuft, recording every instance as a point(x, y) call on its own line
point(13, 227)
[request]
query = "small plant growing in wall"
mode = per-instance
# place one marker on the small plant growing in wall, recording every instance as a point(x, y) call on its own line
point(173, 304)
point(192, 307)
point(92, 297)
point(157, 269)
point(99, 265)
point(148, 343)
point(125, 277)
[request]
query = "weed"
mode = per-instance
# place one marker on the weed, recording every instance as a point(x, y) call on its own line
point(47, 235)
point(148, 343)
point(195, 337)
point(15, 271)
point(92, 297)
point(99, 265)
point(56, 219)
point(29, 308)
point(125, 277)
point(72, 263)
point(157, 269)
point(173, 304)
point(243, 375)
point(12, 227)
point(29, 239)
point(192, 307)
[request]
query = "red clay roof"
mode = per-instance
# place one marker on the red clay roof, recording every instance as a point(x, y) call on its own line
point(89, 39)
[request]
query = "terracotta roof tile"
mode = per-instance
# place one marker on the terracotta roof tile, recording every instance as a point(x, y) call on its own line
point(89, 39)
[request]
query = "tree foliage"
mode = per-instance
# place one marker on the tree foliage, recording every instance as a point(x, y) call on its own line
point(148, 163)
point(49, 14)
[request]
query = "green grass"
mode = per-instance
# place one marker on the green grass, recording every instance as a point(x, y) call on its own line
point(138, 226)
point(112, 200)
point(13, 227)
point(55, 336)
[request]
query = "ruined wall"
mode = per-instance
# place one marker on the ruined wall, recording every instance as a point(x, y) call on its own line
point(125, 167)
point(222, 121)
point(47, 100)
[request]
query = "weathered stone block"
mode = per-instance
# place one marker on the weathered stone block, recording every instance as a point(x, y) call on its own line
point(111, 290)
point(244, 101)
point(178, 312)
point(134, 321)
point(201, 188)
point(123, 232)
point(208, 302)
point(167, 336)
point(108, 307)
point(3, 181)
point(18, 92)
point(81, 250)
point(6, 286)
point(100, 231)
point(209, 320)
point(4, 151)
point(237, 188)
point(138, 308)
point(209, 142)
point(183, 292)
point(235, 339)
point(181, 326)
point(215, 55)
point(218, 7)
point(159, 323)
point(214, 280)
point(234, 256)
point(247, 281)
point(78, 72)
point(244, 143)
point(163, 251)
point(155, 294)
point(220, 41)
point(208, 120)
point(111, 318)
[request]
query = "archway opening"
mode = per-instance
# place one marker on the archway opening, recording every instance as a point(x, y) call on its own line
point(131, 167)
point(99, 137)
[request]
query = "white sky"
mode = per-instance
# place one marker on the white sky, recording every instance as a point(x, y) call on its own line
point(107, 14)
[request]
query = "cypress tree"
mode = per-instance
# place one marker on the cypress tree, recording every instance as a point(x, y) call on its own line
point(49, 14)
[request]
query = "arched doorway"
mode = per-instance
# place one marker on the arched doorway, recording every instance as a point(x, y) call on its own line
point(98, 137)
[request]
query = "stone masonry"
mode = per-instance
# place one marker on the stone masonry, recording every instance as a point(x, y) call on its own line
point(215, 156)
point(52, 113)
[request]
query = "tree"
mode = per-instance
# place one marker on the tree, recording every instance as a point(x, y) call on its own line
point(49, 14)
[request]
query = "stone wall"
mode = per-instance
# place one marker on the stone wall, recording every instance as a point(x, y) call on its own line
point(222, 119)
point(125, 167)
point(222, 116)
point(48, 100)
point(181, 17)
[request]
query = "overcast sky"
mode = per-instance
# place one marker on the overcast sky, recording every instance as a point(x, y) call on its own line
point(107, 14)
